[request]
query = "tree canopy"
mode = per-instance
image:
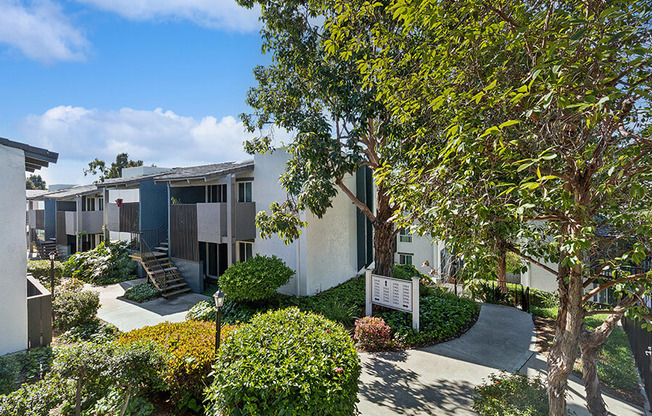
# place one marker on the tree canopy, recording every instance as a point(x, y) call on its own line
point(533, 115)
point(35, 182)
point(115, 170)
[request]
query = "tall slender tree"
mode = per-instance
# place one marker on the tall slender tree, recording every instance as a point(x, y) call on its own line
point(115, 170)
point(338, 125)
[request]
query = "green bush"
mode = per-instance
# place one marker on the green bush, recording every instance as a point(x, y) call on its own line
point(108, 263)
point(255, 279)
point(511, 395)
point(142, 292)
point(40, 269)
point(189, 349)
point(23, 368)
point(441, 318)
point(286, 362)
point(407, 272)
point(35, 399)
point(98, 332)
point(73, 306)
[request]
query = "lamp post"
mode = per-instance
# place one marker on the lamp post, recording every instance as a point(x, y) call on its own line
point(219, 301)
point(52, 256)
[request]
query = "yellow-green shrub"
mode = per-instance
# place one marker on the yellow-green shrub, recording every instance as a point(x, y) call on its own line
point(190, 353)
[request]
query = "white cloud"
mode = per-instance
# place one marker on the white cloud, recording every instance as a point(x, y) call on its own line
point(40, 31)
point(221, 14)
point(157, 137)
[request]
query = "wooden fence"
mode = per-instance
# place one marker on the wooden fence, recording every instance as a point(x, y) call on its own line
point(39, 314)
point(183, 231)
point(129, 217)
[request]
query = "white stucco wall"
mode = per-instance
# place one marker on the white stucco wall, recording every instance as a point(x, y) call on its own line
point(13, 257)
point(422, 249)
point(538, 278)
point(127, 195)
point(332, 244)
point(325, 254)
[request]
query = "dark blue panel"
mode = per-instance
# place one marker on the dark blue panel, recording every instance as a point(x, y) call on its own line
point(189, 194)
point(50, 218)
point(154, 209)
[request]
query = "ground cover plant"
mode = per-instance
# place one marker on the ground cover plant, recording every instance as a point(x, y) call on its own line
point(286, 362)
point(189, 349)
point(142, 292)
point(27, 367)
point(40, 269)
point(108, 263)
point(508, 394)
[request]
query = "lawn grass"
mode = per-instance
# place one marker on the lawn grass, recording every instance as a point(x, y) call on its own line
point(616, 366)
point(615, 361)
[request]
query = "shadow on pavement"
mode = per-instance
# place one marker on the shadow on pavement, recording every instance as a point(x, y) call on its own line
point(400, 391)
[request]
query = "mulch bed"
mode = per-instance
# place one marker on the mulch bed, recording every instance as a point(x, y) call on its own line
point(545, 335)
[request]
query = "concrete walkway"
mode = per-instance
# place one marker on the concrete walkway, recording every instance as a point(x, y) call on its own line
point(127, 315)
point(439, 380)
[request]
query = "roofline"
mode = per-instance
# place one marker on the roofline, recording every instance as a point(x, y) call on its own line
point(35, 157)
point(242, 167)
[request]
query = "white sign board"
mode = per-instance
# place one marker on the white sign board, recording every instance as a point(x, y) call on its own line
point(399, 294)
point(392, 293)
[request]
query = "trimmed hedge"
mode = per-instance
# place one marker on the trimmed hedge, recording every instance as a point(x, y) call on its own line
point(190, 352)
point(508, 394)
point(255, 279)
point(286, 362)
point(106, 264)
point(40, 269)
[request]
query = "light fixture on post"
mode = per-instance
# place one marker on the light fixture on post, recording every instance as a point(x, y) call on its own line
point(219, 302)
point(52, 256)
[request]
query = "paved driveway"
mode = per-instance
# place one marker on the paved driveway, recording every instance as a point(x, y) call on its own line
point(439, 380)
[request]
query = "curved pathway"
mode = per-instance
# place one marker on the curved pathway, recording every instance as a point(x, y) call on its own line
point(439, 380)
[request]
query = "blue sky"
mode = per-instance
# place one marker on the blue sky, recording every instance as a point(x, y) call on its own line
point(163, 80)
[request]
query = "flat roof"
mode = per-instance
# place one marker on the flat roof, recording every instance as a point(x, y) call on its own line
point(35, 157)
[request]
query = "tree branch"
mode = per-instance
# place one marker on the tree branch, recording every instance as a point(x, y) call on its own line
point(362, 207)
point(530, 259)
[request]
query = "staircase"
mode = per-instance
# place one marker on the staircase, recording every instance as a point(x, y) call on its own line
point(46, 247)
point(160, 270)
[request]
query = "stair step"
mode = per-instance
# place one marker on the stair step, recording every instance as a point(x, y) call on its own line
point(161, 248)
point(176, 286)
point(177, 292)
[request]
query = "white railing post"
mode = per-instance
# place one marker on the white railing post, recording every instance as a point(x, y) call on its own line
point(368, 292)
point(415, 303)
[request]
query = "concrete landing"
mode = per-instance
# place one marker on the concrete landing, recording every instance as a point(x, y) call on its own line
point(127, 315)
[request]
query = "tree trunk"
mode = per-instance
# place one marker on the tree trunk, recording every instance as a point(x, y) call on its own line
point(594, 402)
point(80, 382)
point(567, 330)
point(384, 235)
point(502, 266)
point(590, 343)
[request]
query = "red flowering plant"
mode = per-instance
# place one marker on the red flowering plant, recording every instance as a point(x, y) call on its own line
point(372, 334)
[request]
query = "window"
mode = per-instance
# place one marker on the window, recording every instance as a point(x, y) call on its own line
point(405, 236)
point(405, 258)
point(90, 204)
point(245, 251)
point(217, 193)
point(100, 204)
point(244, 192)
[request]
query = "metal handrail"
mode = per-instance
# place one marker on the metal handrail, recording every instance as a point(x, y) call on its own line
point(144, 245)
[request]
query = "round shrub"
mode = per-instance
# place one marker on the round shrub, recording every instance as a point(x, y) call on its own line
point(286, 362)
point(189, 348)
point(372, 334)
point(73, 306)
point(255, 279)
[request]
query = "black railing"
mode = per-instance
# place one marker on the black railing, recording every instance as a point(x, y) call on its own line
point(640, 339)
point(142, 243)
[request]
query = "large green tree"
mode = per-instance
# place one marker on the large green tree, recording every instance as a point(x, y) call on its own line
point(338, 125)
point(115, 170)
point(548, 104)
point(35, 182)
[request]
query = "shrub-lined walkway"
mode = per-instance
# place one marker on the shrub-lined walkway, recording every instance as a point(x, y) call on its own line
point(440, 379)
